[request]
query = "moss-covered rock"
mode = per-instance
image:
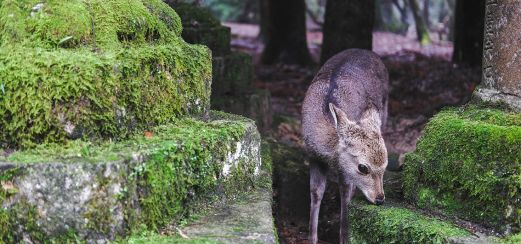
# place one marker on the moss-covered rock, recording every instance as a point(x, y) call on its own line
point(101, 191)
point(97, 69)
point(395, 224)
point(468, 164)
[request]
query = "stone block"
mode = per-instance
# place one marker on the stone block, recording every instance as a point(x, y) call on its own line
point(232, 75)
point(97, 192)
point(256, 106)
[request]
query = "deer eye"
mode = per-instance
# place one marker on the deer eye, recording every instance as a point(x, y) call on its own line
point(363, 169)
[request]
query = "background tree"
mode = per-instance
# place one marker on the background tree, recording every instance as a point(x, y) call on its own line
point(348, 24)
point(284, 32)
point(422, 29)
point(468, 32)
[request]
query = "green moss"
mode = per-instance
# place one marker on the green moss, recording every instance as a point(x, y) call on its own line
point(152, 237)
point(394, 224)
point(467, 163)
point(97, 24)
point(511, 239)
point(124, 68)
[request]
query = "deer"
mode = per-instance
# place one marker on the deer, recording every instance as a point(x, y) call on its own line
point(343, 115)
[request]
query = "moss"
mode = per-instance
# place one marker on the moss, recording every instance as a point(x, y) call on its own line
point(395, 224)
point(98, 24)
point(467, 163)
point(511, 239)
point(129, 71)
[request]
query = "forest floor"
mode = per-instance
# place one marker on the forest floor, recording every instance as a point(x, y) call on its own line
point(422, 81)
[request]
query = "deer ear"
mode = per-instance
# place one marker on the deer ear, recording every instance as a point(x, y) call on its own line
point(340, 118)
point(371, 118)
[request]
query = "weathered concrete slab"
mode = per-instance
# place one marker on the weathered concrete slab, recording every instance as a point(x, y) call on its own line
point(246, 220)
point(98, 192)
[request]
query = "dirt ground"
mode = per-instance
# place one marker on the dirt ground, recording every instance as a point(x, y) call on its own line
point(422, 81)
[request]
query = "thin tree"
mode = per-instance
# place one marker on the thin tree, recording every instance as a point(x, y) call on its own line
point(284, 32)
point(422, 30)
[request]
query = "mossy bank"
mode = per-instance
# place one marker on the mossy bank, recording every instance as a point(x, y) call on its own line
point(95, 69)
point(468, 164)
point(101, 191)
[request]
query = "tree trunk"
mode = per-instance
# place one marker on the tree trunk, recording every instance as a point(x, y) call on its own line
point(348, 24)
point(426, 15)
point(421, 28)
point(468, 32)
point(284, 32)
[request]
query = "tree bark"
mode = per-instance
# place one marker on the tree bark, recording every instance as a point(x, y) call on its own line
point(284, 32)
point(468, 32)
point(348, 24)
point(421, 28)
point(426, 15)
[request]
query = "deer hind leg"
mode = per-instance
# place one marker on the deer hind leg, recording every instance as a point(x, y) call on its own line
point(317, 183)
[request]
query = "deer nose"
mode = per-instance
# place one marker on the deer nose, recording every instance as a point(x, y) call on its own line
point(379, 199)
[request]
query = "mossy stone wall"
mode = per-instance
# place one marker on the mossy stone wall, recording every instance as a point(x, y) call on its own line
point(96, 69)
point(468, 164)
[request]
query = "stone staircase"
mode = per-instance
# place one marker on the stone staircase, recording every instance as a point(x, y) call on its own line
point(107, 131)
point(232, 84)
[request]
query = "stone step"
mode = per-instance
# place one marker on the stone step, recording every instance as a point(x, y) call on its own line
point(255, 105)
point(468, 164)
point(97, 192)
point(245, 218)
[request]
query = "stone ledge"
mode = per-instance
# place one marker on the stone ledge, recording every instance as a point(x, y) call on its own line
point(392, 223)
point(495, 96)
point(100, 192)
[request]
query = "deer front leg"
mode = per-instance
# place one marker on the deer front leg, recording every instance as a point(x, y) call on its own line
point(346, 194)
point(317, 186)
